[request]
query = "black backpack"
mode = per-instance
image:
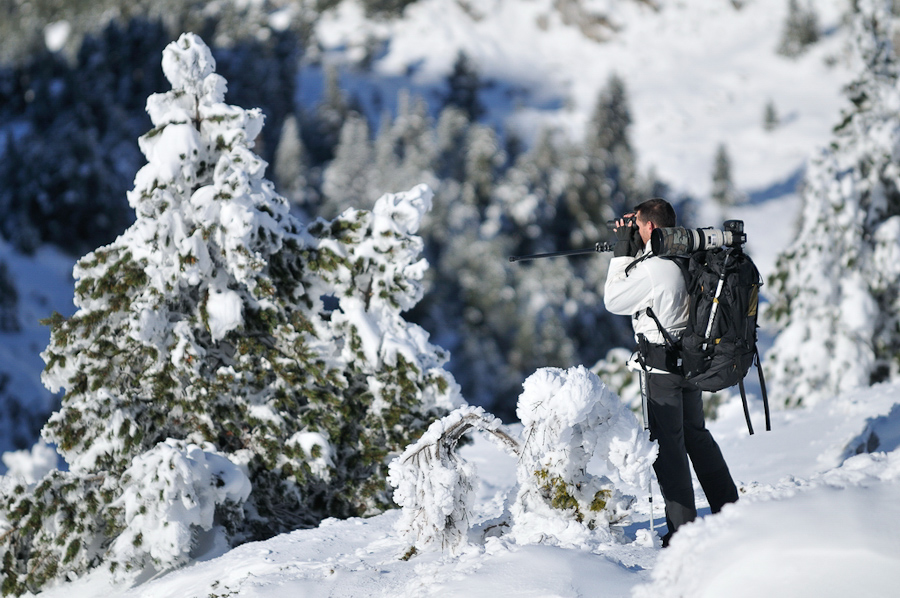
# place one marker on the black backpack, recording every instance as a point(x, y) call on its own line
point(719, 343)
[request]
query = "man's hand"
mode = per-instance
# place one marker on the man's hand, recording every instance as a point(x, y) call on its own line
point(628, 239)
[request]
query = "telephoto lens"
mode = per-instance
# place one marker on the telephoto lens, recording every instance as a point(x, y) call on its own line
point(682, 241)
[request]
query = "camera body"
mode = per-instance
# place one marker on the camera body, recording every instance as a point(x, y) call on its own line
point(682, 241)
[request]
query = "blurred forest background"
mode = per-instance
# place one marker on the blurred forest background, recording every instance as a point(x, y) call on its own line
point(74, 78)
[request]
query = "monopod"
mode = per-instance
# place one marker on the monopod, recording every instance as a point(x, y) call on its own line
point(599, 247)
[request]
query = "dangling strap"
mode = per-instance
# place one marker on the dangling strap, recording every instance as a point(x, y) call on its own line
point(746, 408)
point(762, 387)
point(765, 398)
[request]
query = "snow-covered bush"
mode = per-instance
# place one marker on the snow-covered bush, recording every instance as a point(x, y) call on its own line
point(433, 484)
point(219, 320)
point(836, 289)
point(168, 494)
point(569, 417)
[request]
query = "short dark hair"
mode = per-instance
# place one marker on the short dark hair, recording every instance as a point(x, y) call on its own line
point(658, 211)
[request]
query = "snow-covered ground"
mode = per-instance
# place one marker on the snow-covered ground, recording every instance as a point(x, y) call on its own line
point(814, 519)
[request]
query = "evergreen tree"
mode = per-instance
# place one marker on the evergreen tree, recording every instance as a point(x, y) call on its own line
point(347, 179)
point(836, 289)
point(602, 178)
point(292, 167)
point(451, 138)
point(800, 30)
point(322, 130)
point(724, 192)
point(770, 117)
point(464, 85)
point(203, 360)
point(9, 300)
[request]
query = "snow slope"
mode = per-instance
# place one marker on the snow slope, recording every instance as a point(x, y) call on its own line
point(698, 73)
point(814, 520)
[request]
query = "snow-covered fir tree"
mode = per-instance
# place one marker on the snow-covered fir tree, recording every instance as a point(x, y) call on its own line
point(347, 179)
point(800, 29)
point(836, 289)
point(291, 167)
point(220, 347)
point(724, 192)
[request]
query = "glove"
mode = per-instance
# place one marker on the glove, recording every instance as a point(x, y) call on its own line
point(628, 242)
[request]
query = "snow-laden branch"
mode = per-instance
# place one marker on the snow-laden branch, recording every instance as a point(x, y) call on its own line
point(433, 484)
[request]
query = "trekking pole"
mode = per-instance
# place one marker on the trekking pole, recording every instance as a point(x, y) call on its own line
point(715, 304)
point(599, 247)
point(650, 500)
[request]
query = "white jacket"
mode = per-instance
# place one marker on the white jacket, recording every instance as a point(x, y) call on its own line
point(654, 282)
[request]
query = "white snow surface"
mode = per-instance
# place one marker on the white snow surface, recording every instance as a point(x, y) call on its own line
point(814, 519)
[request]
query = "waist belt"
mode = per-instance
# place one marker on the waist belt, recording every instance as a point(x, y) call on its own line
point(659, 357)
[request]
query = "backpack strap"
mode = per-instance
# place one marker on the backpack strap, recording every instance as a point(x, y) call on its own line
point(671, 343)
point(746, 408)
point(634, 263)
point(762, 387)
point(765, 397)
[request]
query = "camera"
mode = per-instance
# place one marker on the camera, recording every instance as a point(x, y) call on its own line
point(681, 241)
point(630, 221)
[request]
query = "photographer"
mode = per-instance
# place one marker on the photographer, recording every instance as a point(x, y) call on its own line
point(652, 290)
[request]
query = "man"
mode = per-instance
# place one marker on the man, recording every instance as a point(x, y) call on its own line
point(652, 290)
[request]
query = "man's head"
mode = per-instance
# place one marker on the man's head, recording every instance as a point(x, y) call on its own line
point(651, 214)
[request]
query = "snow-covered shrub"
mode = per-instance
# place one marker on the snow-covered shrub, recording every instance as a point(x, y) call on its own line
point(433, 484)
point(168, 494)
point(219, 320)
point(570, 416)
point(836, 288)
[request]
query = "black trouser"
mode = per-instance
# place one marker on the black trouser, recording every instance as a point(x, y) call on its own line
point(677, 424)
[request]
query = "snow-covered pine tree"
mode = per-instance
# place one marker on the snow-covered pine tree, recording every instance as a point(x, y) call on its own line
point(322, 130)
point(292, 166)
point(203, 353)
point(724, 193)
point(800, 29)
point(836, 289)
point(347, 179)
point(463, 85)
